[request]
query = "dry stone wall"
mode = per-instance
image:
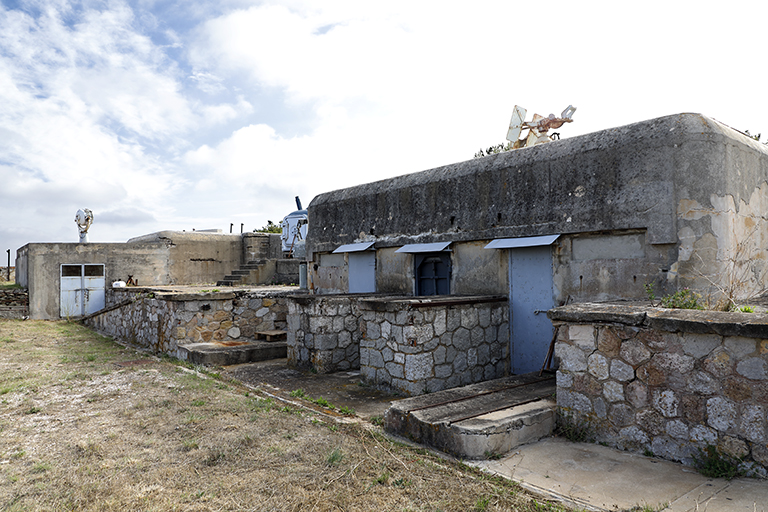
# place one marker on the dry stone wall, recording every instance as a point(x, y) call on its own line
point(163, 322)
point(670, 382)
point(14, 303)
point(404, 345)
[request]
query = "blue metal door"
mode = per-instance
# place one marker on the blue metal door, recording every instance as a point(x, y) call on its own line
point(362, 272)
point(531, 295)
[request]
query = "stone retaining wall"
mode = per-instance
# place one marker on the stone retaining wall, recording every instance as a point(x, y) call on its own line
point(14, 303)
point(406, 345)
point(162, 322)
point(669, 382)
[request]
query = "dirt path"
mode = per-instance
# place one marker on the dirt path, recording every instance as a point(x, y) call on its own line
point(86, 424)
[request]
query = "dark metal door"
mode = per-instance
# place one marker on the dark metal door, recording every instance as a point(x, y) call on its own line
point(433, 274)
point(531, 295)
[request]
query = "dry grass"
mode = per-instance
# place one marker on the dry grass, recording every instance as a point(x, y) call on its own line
point(79, 431)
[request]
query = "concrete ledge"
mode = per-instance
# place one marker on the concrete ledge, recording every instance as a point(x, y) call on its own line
point(217, 354)
point(751, 325)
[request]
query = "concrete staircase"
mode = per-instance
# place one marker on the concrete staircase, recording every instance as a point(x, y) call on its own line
point(253, 272)
point(261, 272)
point(479, 421)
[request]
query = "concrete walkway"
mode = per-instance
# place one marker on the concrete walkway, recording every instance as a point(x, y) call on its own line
point(595, 477)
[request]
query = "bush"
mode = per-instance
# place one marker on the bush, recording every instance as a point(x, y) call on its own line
point(683, 299)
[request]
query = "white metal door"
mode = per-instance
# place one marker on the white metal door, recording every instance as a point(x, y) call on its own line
point(82, 289)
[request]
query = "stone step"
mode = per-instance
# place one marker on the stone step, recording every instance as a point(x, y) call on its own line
point(225, 353)
point(478, 421)
point(273, 335)
point(227, 282)
point(241, 272)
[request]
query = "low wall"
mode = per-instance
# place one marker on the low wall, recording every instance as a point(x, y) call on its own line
point(7, 275)
point(162, 322)
point(408, 345)
point(324, 332)
point(666, 381)
point(14, 303)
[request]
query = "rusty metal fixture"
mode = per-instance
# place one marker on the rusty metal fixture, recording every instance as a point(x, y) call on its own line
point(537, 127)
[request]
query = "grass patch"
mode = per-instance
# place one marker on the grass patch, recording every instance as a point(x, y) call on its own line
point(169, 436)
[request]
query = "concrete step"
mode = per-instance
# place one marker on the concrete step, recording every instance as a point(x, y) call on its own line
point(225, 353)
point(478, 421)
point(241, 272)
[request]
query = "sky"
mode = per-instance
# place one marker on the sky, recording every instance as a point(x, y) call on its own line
point(175, 115)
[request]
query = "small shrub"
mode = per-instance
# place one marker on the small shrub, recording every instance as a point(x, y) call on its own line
point(298, 393)
point(713, 463)
point(334, 457)
point(377, 420)
point(322, 402)
point(348, 411)
point(683, 299)
point(747, 309)
point(402, 483)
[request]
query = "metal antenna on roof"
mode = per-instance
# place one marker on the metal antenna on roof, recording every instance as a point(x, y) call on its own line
point(538, 126)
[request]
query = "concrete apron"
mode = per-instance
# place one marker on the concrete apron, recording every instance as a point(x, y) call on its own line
point(596, 477)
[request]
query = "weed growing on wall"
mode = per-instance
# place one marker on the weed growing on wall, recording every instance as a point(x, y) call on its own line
point(713, 463)
point(683, 299)
point(574, 430)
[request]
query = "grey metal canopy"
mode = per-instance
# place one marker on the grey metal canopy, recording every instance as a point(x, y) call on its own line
point(415, 248)
point(362, 246)
point(517, 243)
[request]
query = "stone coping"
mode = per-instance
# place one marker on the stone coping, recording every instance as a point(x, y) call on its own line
point(750, 325)
point(205, 292)
point(384, 302)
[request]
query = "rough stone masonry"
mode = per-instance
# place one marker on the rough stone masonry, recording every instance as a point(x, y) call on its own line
point(667, 382)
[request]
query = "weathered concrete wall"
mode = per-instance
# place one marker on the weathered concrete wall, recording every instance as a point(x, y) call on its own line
point(163, 322)
point(195, 257)
point(666, 381)
point(261, 246)
point(163, 258)
point(475, 271)
point(692, 187)
point(147, 262)
point(14, 303)
point(401, 345)
point(415, 350)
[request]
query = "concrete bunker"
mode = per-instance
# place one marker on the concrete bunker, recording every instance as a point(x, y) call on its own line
point(672, 202)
